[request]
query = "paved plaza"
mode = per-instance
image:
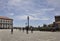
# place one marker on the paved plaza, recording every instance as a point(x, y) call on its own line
point(5, 35)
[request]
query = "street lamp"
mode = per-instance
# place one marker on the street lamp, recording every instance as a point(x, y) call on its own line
point(27, 28)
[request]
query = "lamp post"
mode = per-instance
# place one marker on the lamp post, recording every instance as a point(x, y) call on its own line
point(28, 21)
point(27, 28)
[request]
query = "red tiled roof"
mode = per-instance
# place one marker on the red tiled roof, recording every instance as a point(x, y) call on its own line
point(3, 17)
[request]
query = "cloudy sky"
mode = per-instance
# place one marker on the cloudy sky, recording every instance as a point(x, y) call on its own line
point(40, 11)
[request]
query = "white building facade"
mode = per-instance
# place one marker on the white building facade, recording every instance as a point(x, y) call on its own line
point(6, 22)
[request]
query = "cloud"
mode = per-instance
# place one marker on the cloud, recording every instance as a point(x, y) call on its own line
point(54, 3)
point(27, 7)
point(57, 14)
point(14, 2)
point(24, 17)
point(11, 14)
point(48, 9)
point(44, 18)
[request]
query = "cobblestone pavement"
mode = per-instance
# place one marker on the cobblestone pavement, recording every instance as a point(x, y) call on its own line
point(5, 35)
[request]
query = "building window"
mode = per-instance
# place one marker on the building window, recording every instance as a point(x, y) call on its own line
point(0, 20)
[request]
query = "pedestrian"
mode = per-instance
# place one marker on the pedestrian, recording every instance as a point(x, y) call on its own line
point(31, 29)
point(27, 29)
point(23, 29)
point(12, 30)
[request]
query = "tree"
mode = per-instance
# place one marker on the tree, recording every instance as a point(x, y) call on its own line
point(44, 25)
point(39, 28)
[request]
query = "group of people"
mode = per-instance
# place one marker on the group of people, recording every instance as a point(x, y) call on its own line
point(27, 29)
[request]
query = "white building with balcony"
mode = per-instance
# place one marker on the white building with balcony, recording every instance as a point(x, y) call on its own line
point(6, 22)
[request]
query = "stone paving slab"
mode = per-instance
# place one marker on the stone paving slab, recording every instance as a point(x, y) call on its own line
point(5, 35)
